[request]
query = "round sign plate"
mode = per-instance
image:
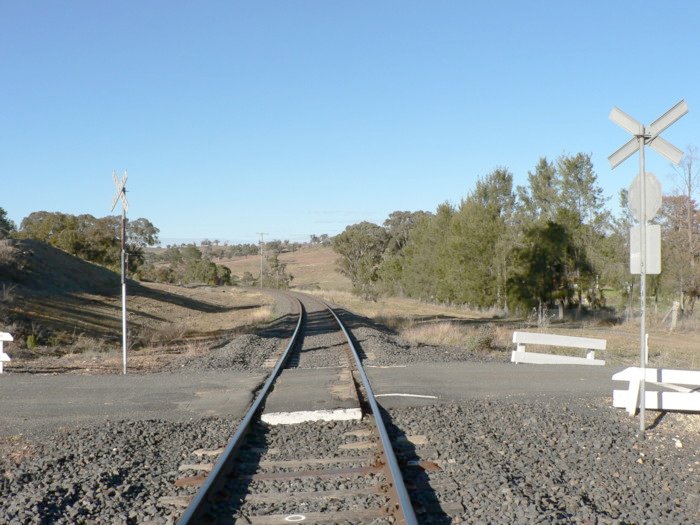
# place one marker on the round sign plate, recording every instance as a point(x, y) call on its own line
point(653, 196)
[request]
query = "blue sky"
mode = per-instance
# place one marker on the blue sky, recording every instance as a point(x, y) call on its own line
point(301, 117)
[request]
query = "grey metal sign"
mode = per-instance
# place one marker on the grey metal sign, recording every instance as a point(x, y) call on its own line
point(653, 249)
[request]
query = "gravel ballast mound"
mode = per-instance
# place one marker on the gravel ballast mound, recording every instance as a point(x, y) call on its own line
point(111, 474)
point(244, 353)
point(563, 461)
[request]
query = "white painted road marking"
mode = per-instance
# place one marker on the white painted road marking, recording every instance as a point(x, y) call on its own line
point(406, 395)
point(302, 416)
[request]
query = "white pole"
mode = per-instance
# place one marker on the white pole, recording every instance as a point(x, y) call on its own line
point(642, 284)
point(262, 242)
point(124, 291)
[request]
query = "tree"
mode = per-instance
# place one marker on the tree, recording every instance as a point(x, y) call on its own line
point(360, 248)
point(248, 279)
point(275, 275)
point(678, 248)
point(91, 238)
point(398, 225)
point(583, 213)
point(685, 220)
point(542, 271)
point(478, 244)
point(426, 258)
point(7, 226)
point(540, 201)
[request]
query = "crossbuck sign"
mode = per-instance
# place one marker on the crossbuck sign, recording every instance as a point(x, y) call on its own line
point(121, 191)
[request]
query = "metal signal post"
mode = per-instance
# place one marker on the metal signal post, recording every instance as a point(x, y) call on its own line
point(121, 194)
point(644, 210)
point(262, 243)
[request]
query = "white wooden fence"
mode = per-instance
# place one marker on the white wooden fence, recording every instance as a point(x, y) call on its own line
point(530, 338)
point(670, 395)
point(4, 358)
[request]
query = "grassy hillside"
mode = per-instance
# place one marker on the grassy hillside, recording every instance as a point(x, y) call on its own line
point(68, 303)
point(312, 268)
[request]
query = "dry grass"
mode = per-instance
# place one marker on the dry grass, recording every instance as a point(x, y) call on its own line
point(427, 323)
point(399, 312)
point(8, 253)
point(7, 293)
point(196, 348)
point(440, 334)
point(81, 332)
point(449, 333)
point(259, 315)
point(85, 344)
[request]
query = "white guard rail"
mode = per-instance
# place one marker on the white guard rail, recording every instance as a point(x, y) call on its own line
point(672, 397)
point(531, 338)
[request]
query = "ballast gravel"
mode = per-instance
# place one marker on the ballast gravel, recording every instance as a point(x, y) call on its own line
point(115, 473)
point(540, 461)
point(315, 441)
point(556, 461)
point(245, 352)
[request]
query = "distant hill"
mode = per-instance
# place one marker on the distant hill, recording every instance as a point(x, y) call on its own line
point(312, 267)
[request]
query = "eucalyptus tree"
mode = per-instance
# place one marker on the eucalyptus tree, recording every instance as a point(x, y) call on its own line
point(480, 241)
point(685, 219)
point(398, 226)
point(7, 226)
point(361, 247)
point(426, 259)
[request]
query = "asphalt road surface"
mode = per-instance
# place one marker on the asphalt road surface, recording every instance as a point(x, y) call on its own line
point(34, 404)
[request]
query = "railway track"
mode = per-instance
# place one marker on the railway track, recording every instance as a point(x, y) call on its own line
point(328, 465)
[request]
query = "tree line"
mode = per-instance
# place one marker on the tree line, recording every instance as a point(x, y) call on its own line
point(550, 243)
point(90, 238)
point(98, 240)
point(184, 265)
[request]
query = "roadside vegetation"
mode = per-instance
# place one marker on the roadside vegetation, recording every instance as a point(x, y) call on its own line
point(549, 254)
point(550, 245)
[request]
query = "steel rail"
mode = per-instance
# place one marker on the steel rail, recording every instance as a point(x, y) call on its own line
point(194, 512)
point(398, 484)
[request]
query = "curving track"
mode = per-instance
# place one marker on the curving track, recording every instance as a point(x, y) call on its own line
point(323, 471)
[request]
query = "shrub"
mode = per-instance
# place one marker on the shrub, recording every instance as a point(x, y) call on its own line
point(485, 338)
